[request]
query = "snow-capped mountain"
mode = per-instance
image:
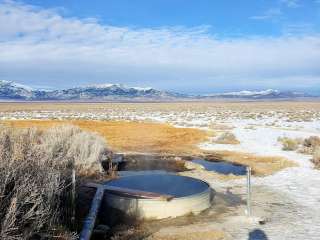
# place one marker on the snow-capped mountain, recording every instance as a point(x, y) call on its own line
point(112, 92)
point(109, 92)
point(265, 94)
point(14, 91)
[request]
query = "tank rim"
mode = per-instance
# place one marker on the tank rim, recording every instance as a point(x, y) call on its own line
point(175, 198)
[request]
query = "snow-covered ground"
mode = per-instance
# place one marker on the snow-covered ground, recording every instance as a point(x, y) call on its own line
point(299, 216)
point(263, 140)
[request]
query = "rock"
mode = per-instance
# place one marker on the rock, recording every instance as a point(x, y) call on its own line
point(101, 231)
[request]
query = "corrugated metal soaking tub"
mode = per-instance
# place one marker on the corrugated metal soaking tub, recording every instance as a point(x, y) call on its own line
point(175, 195)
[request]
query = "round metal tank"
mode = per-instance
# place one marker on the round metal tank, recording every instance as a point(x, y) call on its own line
point(190, 195)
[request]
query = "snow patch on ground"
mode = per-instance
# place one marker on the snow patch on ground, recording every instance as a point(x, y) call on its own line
point(299, 216)
point(262, 140)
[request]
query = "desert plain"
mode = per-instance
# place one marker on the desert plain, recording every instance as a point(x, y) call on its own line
point(270, 137)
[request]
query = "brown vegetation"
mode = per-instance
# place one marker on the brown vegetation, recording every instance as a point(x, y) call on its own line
point(261, 165)
point(307, 146)
point(316, 157)
point(289, 107)
point(222, 127)
point(163, 139)
point(312, 142)
point(289, 144)
point(310, 145)
point(134, 136)
point(35, 170)
point(226, 138)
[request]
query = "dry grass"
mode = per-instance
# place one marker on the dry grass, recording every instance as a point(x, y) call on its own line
point(316, 157)
point(310, 146)
point(222, 127)
point(289, 144)
point(312, 142)
point(286, 106)
point(129, 233)
point(163, 139)
point(226, 138)
point(260, 165)
point(35, 171)
point(134, 136)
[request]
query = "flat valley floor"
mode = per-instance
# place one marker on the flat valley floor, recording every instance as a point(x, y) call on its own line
point(286, 184)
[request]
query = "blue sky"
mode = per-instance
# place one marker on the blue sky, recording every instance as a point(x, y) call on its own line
point(190, 46)
point(227, 18)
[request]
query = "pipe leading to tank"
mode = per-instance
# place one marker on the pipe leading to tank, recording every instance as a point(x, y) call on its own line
point(89, 222)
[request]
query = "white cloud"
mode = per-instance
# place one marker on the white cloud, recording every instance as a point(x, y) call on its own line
point(272, 13)
point(42, 47)
point(291, 3)
point(299, 28)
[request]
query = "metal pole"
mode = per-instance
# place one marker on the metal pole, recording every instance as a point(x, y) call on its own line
point(73, 199)
point(248, 191)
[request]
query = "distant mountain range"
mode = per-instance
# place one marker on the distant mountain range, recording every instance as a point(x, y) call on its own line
point(10, 90)
point(266, 94)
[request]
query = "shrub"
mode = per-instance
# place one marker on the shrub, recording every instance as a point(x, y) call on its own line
point(316, 157)
point(312, 142)
point(226, 138)
point(289, 144)
point(72, 146)
point(34, 175)
point(305, 150)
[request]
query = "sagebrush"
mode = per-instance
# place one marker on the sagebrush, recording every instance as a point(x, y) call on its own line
point(310, 145)
point(316, 157)
point(35, 173)
point(226, 138)
point(289, 144)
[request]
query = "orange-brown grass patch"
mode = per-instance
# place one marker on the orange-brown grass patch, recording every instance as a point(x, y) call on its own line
point(261, 165)
point(125, 136)
point(142, 137)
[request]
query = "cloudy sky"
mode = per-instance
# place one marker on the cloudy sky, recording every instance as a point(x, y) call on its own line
point(196, 46)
